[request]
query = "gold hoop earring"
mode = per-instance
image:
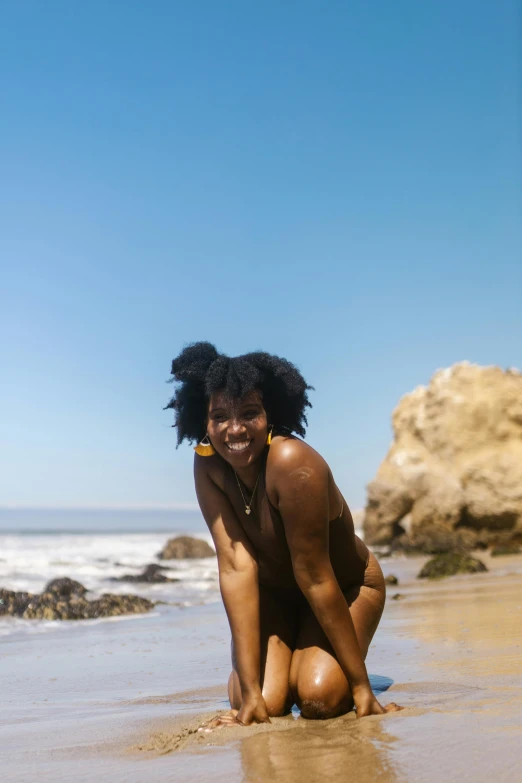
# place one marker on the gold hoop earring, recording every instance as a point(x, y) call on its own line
point(205, 447)
point(269, 437)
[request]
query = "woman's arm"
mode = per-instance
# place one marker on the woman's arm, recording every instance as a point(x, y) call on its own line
point(301, 482)
point(238, 581)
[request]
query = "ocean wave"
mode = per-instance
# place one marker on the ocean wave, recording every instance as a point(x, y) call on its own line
point(28, 562)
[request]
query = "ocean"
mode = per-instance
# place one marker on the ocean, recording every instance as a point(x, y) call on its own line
point(101, 520)
point(95, 548)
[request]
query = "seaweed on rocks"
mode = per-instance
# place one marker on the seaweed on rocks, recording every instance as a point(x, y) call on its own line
point(65, 587)
point(449, 564)
point(64, 599)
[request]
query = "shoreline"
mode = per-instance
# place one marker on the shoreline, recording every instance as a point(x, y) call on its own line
point(113, 698)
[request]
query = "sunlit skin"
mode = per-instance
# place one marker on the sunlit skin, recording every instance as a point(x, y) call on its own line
point(302, 593)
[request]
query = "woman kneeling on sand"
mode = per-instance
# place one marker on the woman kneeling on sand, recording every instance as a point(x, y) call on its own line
point(303, 594)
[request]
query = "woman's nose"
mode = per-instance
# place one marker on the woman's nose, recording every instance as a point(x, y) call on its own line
point(236, 427)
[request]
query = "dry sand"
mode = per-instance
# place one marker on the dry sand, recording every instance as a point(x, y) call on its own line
point(454, 648)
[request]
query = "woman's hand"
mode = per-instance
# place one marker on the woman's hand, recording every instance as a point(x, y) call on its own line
point(253, 710)
point(366, 704)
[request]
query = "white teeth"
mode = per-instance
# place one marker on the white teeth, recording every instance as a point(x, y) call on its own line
point(239, 446)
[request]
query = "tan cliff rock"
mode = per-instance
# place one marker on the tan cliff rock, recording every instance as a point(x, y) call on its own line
point(456, 457)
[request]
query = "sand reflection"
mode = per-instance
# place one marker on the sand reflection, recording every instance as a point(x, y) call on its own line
point(308, 751)
point(475, 626)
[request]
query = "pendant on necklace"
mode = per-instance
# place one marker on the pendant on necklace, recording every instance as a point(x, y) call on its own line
point(247, 510)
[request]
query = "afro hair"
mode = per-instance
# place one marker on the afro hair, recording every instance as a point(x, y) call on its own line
point(201, 370)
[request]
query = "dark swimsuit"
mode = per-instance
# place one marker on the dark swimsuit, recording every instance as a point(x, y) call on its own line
point(357, 566)
point(361, 562)
point(278, 515)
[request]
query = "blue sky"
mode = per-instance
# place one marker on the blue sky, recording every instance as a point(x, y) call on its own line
point(338, 183)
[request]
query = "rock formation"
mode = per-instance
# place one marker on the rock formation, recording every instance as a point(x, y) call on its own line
point(152, 574)
point(185, 546)
point(450, 564)
point(64, 599)
point(456, 458)
point(65, 587)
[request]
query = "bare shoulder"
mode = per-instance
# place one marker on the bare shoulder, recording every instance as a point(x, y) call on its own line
point(287, 453)
point(293, 462)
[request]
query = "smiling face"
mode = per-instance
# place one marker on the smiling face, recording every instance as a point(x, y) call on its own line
point(237, 428)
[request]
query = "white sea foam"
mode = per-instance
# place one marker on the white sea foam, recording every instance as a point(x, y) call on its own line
point(28, 562)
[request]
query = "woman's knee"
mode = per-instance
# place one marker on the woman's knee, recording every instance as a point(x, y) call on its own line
point(278, 701)
point(234, 690)
point(319, 702)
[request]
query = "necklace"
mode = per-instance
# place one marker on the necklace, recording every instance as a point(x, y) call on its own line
point(248, 506)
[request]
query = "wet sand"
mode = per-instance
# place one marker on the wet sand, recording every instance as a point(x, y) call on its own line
point(450, 652)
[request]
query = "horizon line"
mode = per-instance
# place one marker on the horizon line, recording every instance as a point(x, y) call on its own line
point(99, 507)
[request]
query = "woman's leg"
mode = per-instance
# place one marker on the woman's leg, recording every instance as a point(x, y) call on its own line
point(318, 684)
point(279, 624)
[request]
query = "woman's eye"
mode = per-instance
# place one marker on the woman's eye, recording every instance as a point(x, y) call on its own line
point(250, 414)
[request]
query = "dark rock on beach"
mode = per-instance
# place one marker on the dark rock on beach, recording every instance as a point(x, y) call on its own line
point(185, 547)
point(65, 587)
point(109, 605)
point(152, 575)
point(391, 579)
point(508, 549)
point(63, 599)
point(13, 603)
point(506, 542)
point(449, 564)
